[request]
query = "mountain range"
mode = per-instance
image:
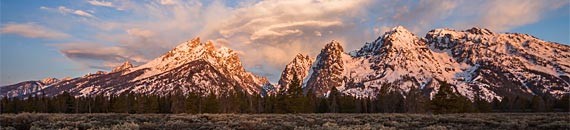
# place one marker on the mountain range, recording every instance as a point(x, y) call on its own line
point(192, 66)
point(478, 63)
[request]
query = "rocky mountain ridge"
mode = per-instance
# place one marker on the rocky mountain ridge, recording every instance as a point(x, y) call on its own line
point(192, 66)
point(477, 62)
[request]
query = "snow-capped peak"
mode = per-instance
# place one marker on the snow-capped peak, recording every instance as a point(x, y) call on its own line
point(49, 80)
point(481, 31)
point(209, 45)
point(126, 65)
point(397, 39)
point(224, 60)
point(300, 57)
point(190, 43)
point(401, 29)
point(333, 46)
point(299, 66)
point(477, 62)
point(399, 33)
point(328, 65)
point(226, 53)
point(186, 52)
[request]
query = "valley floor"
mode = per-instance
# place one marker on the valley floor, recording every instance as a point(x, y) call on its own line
point(286, 121)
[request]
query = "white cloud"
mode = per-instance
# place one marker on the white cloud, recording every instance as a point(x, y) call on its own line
point(280, 29)
point(497, 15)
point(317, 33)
point(100, 3)
point(140, 32)
point(65, 10)
point(167, 2)
point(32, 30)
point(502, 15)
point(99, 56)
point(271, 32)
point(82, 13)
point(417, 16)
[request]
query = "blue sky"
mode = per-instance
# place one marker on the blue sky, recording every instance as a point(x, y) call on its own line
point(70, 38)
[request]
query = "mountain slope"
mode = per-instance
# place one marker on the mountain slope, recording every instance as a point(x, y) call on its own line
point(299, 66)
point(26, 87)
point(523, 62)
point(190, 67)
point(477, 62)
point(327, 70)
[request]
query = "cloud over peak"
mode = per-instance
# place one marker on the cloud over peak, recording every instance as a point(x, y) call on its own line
point(99, 56)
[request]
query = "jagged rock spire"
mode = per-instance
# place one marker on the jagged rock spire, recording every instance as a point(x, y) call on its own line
point(327, 70)
point(482, 31)
point(125, 66)
point(49, 80)
point(397, 39)
point(299, 66)
point(333, 45)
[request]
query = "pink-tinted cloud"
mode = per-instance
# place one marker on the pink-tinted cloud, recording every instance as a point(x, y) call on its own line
point(100, 3)
point(502, 15)
point(32, 30)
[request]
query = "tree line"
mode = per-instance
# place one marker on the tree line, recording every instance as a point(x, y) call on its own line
point(291, 100)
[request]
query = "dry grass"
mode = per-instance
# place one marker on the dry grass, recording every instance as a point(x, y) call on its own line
point(286, 121)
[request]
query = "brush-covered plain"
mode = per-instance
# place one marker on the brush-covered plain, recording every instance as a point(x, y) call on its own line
point(286, 121)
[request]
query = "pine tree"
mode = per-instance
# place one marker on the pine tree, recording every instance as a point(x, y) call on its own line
point(120, 105)
point(483, 106)
point(563, 104)
point(496, 105)
point(211, 104)
point(294, 98)
point(193, 103)
point(520, 104)
point(537, 104)
point(5, 106)
point(506, 104)
point(178, 102)
point(446, 101)
point(415, 102)
point(152, 103)
point(334, 100)
point(295, 87)
point(164, 103)
point(389, 101)
point(323, 106)
point(347, 104)
point(68, 103)
point(312, 101)
point(281, 103)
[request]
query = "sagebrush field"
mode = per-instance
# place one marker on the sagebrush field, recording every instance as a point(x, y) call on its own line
point(286, 121)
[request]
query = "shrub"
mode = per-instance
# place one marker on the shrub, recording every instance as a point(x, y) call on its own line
point(126, 126)
point(285, 121)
